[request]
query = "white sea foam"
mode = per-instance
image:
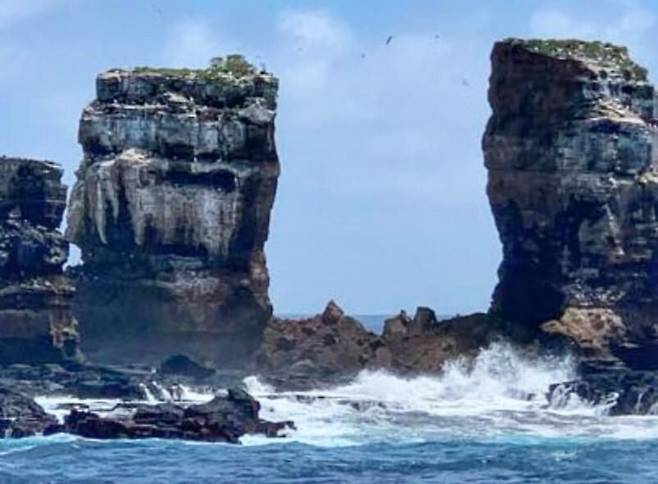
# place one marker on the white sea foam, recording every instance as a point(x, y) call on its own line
point(502, 394)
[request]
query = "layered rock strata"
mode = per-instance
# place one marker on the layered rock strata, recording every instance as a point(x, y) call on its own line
point(571, 151)
point(36, 323)
point(171, 211)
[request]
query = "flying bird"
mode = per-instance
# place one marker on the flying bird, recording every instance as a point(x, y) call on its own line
point(388, 40)
point(465, 83)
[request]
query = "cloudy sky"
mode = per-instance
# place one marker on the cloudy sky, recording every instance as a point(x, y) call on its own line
point(381, 202)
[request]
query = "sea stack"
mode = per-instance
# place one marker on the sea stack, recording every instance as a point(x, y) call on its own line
point(571, 151)
point(171, 212)
point(36, 323)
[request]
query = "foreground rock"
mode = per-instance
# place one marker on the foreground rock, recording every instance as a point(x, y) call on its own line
point(572, 156)
point(36, 323)
point(616, 390)
point(171, 211)
point(333, 347)
point(20, 416)
point(224, 419)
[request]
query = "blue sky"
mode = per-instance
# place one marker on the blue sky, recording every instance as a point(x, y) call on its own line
point(381, 203)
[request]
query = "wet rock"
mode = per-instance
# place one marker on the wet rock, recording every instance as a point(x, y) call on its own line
point(81, 381)
point(36, 323)
point(614, 392)
point(572, 157)
point(20, 416)
point(181, 365)
point(171, 211)
point(223, 419)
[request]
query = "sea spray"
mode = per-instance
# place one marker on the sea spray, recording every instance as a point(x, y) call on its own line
point(502, 393)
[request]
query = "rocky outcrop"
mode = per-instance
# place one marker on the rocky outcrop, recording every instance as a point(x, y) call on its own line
point(333, 347)
point(20, 416)
point(36, 323)
point(171, 211)
point(615, 391)
point(223, 419)
point(571, 151)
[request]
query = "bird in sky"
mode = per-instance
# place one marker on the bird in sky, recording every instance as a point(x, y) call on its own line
point(388, 40)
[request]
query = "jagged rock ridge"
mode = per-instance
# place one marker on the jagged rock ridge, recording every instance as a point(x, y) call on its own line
point(171, 211)
point(572, 156)
point(333, 347)
point(36, 323)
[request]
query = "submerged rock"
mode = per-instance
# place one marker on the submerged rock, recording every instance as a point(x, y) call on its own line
point(572, 157)
point(171, 211)
point(223, 419)
point(36, 323)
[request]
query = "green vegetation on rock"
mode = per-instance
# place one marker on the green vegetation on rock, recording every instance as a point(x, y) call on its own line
point(233, 65)
point(603, 53)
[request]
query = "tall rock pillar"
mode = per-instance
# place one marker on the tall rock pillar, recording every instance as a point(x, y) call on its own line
point(36, 323)
point(570, 151)
point(171, 211)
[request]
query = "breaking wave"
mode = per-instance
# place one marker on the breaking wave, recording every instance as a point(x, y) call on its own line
point(502, 394)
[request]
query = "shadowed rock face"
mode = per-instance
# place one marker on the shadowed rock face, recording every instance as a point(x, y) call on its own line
point(36, 324)
point(572, 156)
point(171, 211)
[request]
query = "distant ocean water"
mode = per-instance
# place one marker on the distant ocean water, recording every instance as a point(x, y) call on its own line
point(487, 423)
point(373, 322)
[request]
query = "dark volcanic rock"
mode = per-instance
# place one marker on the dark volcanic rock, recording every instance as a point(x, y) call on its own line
point(81, 381)
point(621, 392)
point(329, 346)
point(333, 347)
point(171, 211)
point(424, 344)
point(183, 366)
point(572, 156)
point(21, 416)
point(224, 419)
point(36, 324)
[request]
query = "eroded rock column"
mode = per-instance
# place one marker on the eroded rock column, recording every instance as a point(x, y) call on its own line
point(36, 323)
point(573, 185)
point(171, 211)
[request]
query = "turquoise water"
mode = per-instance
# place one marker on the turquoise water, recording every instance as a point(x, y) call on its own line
point(61, 460)
point(484, 423)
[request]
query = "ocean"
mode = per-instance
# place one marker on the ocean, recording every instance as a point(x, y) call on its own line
point(485, 423)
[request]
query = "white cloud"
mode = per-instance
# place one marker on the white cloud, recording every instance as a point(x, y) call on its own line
point(13, 11)
point(626, 26)
point(192, 43)
point(313, 30)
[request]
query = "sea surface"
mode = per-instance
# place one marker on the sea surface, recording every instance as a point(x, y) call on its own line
point(488, 422)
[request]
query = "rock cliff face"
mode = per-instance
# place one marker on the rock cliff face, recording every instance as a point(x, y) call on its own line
point(171, 211)
point(572, 156)
point(36, 324)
